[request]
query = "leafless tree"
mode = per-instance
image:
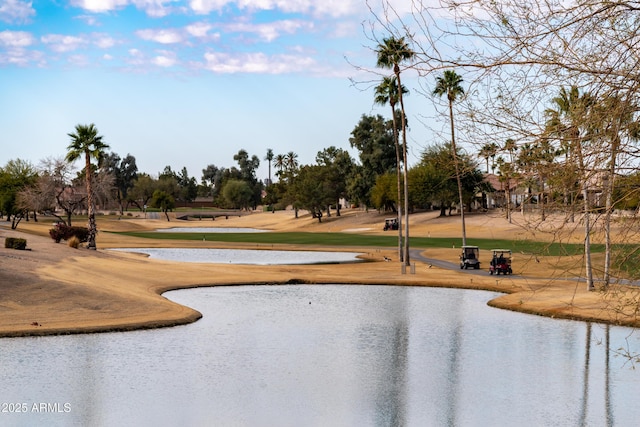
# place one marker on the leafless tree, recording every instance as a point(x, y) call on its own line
point(516, 56)
point(55, 189)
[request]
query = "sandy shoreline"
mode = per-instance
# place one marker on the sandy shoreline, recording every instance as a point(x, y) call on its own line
point(54, 289)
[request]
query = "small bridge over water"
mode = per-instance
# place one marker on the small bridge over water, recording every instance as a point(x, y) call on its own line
point(206, 214)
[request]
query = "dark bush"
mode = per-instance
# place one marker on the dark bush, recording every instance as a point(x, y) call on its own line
point(15, 243)
point(63, 232)
point(82, 233)
point(56, 234)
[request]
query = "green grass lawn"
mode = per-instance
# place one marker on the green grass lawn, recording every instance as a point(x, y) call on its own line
point(348, 239)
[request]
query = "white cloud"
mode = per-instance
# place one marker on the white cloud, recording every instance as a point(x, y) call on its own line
point(78, 60)
point(21, 57)
point(16, 38)
point(136, 58)
point(270, 31)
point(204, 7)
point(16, 11)
point(259, 62)
point(99, 6)
point(104, 41)
point(198, 29)
point(336, 8)
point(62, 43)
point(161, 36)
point(333, 8)
point(140, 61)
point(154, 8)
point(15, 52)
point(165, 59)
point(88, 19)
point(345, 29)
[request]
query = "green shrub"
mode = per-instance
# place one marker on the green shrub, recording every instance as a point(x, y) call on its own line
point(15, 243)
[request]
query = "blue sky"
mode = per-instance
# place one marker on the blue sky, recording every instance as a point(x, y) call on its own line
point(188, 83)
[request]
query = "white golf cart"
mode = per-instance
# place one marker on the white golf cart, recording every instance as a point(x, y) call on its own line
point(470, 257)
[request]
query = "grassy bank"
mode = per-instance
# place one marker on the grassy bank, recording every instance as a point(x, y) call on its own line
point(363, 240)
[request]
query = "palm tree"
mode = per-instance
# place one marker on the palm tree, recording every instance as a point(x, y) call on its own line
point(86, 141)
point(291, 160)
point(526, 165)
point(489, 151)
point(543, 157)
point(387, 92)
point(269, 158)
point(280, 162)
point(506, 172)
point(511, 147)
point(449, 84)
point(565, 122)
point(391, 53)
point(291, 165)
point(616, 120)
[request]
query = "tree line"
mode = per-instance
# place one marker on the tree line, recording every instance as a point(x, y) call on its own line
point(56, 187)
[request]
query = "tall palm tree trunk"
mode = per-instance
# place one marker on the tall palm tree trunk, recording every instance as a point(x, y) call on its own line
point(609, 211)
point(586, 219)
point(567, 198)
point(91, 242)
point(607, 234)
point(587, 241)
point(391, 52)
point(398, 178)
point(508, 201)
point(458, 180)
point(407, 261)
point(543, 214)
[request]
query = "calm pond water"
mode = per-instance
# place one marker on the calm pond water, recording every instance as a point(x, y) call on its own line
point(329, 356)
point(245, 256)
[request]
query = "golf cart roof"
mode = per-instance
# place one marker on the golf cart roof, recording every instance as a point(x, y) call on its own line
point(470, 247)
point(501, 250)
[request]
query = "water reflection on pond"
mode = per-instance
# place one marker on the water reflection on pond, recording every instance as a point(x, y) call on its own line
point(331, 355)
point(245, 256)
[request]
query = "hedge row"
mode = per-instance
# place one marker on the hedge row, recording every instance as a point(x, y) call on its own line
point(15, 243)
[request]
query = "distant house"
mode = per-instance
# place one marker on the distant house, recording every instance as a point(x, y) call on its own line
point(498, 198)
